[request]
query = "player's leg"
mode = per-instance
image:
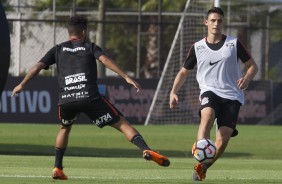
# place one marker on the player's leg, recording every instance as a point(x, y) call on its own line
point(226, 120)
point(60, 147)
point(67, 116)
point(134, 137)
point(206, 123)
point(103, 113)
point(62, 138)
point(208, 111)
point(130, 133)
point(223, 136)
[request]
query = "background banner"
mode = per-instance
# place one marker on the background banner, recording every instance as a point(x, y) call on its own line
point(38, 102)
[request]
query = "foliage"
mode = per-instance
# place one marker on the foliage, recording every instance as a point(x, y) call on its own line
point(121, 31)
point(275, 23)
point(275, 74)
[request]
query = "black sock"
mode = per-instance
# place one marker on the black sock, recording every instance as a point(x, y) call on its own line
point(59, 154)
point(139, 142)
point(208, 165)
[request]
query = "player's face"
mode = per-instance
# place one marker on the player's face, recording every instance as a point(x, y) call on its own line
point(214, 24)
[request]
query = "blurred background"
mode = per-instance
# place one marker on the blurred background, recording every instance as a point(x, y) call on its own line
point(139, 35)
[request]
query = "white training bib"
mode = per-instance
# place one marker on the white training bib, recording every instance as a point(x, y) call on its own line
point(218, 71)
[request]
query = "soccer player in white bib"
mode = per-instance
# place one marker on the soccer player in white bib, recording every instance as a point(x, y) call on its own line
point(221, 83)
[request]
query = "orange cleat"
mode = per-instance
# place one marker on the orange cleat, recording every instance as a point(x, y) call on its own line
point(156, 157)
point(200, 172)
point(58, 174)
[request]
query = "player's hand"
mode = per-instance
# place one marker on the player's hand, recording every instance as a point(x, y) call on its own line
point(243, 83)
point(134, 83)
point(173, 100)
point(17, 90)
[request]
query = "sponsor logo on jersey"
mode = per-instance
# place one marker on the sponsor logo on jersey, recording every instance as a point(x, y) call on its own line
point(72, 79)
point(213, 63)
point(73, 50)
point(205, 101)
point(200, 47)
point(80, 86)
point(103, 119)
point(230, 45)
point(83, 94)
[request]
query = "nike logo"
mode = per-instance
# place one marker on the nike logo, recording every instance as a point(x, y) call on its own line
point(214, 62)
point(210, 151)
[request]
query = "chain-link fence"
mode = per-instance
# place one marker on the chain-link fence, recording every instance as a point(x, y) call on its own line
point(134, 35)
point(256, 22)
point(30, 41)
point(128, 38)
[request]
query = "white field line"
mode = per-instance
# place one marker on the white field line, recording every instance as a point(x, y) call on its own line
point(114, 178)
point(76, 177)
point(36, 176)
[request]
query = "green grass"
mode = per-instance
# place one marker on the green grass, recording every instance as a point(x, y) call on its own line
point(104, 156)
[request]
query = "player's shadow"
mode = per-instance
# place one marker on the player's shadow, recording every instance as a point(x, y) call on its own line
point(27, 149)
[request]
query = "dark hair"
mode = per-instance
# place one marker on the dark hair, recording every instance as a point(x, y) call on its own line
point(215, 10)
point(76, 24)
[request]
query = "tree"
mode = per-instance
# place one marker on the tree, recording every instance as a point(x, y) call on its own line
point(120, 31)
point(151, 68)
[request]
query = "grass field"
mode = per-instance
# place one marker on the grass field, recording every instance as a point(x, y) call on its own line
point(104, 156)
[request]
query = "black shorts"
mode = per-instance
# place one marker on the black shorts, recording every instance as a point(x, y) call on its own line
point(99, 110)
point(226, 110)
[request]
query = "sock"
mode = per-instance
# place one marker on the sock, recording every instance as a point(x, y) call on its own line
point(59, 154)
point(139, 142)
point(208, 165)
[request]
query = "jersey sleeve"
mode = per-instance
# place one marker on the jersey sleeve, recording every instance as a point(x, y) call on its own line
point(191, 59)
point(98, 51)
point(49, 58)
point(242, 52)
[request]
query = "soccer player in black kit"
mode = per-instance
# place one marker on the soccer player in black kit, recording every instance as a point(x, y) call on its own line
point(77, 76)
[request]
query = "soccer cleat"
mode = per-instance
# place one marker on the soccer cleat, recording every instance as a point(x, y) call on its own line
point(156, 157)
point(200, 172)
point(58, 174)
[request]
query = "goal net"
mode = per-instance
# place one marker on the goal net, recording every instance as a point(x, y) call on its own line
point(190, 29)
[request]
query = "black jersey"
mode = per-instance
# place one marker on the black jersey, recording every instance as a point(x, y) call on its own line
point(76, 69)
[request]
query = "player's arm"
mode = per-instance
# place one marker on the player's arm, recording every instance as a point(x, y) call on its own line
point(30, 75)
point(250, 65)
point(109, 63)
point(252, 69)
point(44, 63)
point(177, 84)
point(181, 76)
